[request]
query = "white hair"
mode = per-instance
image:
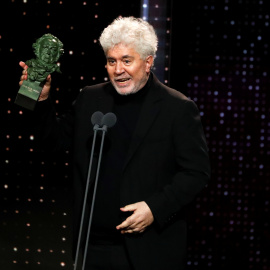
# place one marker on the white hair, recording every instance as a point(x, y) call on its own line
point(130, 31)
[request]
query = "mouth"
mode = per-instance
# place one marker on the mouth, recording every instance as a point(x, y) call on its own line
point(122, 81)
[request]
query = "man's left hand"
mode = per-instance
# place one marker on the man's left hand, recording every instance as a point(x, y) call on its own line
point(141, 218)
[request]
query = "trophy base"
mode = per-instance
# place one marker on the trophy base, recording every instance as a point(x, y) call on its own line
point(28, 95)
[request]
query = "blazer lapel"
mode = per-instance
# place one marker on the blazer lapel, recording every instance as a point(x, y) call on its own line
point(105, 100)
point(148, 114)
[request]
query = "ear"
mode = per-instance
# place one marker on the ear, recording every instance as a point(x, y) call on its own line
point(149, 62)
point(106, 66)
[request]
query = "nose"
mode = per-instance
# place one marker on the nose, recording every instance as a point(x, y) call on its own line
point(119, 68)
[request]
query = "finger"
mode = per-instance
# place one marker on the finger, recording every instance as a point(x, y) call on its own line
point(133, 231)
point(124, 225)
point(130, 230)
point(126, 231)
point(137, 230)
point(48, 80)
point(130, 207)
point(23, 65)
point(23, 77)
point(130, 222)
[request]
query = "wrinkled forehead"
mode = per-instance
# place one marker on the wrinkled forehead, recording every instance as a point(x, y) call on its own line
point(122, 48)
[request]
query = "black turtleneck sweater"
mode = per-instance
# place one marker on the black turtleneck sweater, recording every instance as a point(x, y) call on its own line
point(107, 214)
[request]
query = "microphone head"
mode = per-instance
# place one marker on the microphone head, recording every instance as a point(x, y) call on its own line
point(109, 120)
point(97, 118)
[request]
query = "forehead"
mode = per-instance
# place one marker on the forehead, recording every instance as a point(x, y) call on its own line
point(122, 50)
point(49, 41)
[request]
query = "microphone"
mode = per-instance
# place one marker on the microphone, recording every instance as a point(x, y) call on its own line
point(97, 118)
point(108, 120)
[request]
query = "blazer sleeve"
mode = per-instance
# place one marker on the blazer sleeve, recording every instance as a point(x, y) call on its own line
point(192, 166)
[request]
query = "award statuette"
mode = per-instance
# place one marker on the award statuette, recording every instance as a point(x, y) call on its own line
point(48, 50)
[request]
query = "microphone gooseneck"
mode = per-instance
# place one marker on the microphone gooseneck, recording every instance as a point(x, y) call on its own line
point(100, 122)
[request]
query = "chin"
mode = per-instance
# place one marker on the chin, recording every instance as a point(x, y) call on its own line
point(124, 91)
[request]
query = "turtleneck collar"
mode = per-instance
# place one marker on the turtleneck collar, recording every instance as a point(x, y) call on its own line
point(134, 96)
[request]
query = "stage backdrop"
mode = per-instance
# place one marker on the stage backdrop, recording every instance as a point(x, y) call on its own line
point(220, 59)
point(215, 52)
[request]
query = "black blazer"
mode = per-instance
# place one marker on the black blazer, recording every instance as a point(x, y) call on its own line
point(167, 164)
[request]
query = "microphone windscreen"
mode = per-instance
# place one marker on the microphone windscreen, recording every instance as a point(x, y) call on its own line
point(109, 120)
point(97, 118)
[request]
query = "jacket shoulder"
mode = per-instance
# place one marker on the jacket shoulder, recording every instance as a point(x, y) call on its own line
point(168, 91)
point(96, 88)
point(176, 94)
point(91, 94)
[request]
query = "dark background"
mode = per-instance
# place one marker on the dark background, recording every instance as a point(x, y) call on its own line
point(216, 52)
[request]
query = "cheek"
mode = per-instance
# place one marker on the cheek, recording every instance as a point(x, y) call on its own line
point(139, 71)
point(109, 71)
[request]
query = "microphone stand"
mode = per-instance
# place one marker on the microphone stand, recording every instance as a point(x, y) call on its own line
point(96, 128)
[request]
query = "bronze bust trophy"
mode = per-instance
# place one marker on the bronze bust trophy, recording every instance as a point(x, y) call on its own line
point(48, 50)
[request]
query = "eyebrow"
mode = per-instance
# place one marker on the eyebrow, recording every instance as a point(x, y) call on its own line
point(127, 56)
point(124, 56)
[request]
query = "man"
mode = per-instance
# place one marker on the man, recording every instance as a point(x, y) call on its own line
point(155, 158)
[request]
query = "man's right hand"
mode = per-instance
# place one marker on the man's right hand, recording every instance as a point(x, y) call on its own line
point(46, 88)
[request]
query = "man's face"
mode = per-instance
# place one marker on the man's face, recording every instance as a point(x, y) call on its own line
point(127, 71)
point(48, 51)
